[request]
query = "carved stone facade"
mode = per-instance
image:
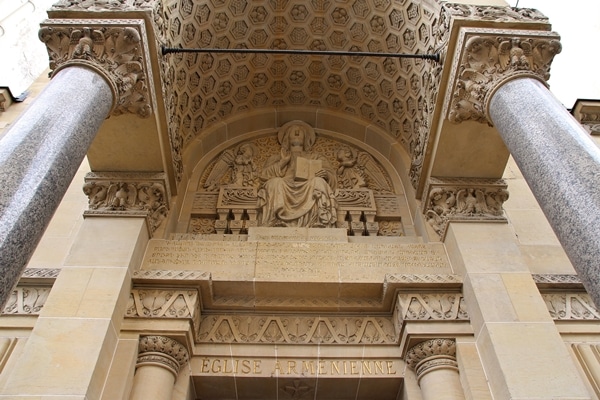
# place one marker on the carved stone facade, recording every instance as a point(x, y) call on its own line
point(128, 194)
point(115, 49)
point(162, 351)
point(463, 200)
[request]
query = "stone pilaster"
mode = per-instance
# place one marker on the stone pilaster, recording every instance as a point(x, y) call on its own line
point(159, 361)
point(434, 362)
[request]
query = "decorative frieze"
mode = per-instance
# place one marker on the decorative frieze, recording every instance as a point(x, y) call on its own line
point(128, 194)
point(163, 352)
point(27, 300)
point(455, 199)
point(495, 13)
point(490, 57)
point(429, 307)
point(571, 306)
point(113, 48)
point(296, 329)
point(431, 355)
point(164, 303)
point(121, 5)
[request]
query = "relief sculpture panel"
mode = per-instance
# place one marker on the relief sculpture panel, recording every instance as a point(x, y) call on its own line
point(293, 178)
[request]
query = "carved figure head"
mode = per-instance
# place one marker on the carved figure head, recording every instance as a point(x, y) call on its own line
point(297, 133)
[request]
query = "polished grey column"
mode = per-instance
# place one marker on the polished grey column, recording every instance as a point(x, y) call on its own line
point(39, 156)
point(560, 163)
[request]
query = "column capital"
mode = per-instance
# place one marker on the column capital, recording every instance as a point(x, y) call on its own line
point(431, 355)
point(163, 352)
point(128, 194)
point(488, 58)
point(115, 49)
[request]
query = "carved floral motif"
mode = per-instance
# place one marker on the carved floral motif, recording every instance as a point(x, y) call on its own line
point(571, 306)
point(431, 306)
point(162, 351)
point(26, 300)
point(495, 13)
point(158, 303)
point(463, 199)
point(430, 354)
point(111, 48)
point(490, 58)
point(110, 194)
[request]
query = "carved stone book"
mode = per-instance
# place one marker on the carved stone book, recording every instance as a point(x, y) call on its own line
point(306, 168)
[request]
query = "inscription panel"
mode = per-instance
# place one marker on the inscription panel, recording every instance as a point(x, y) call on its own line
point(297, 261)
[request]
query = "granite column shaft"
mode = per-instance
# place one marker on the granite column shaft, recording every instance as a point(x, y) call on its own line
point(39, 157)
point(560, 163)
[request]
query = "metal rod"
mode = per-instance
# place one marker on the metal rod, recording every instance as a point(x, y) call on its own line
point(434, 57)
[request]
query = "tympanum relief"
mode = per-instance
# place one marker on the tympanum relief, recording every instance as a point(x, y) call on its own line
point(294, 178)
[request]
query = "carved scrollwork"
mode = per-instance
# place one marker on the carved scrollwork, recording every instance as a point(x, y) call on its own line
point(111, 48)
point(495, 13)
point(103, 5)
point(463, 199)
point(144, 194)
point(26, 300)
point(489, 59)
point(571, 306)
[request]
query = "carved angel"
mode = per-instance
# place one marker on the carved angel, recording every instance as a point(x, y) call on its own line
point(88, 42)
point(514, 53)
point(359, 170)
point(121, 195)
point(242, 165)
point(471, 201)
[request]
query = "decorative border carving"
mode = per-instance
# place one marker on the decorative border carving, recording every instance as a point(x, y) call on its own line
point(455, 199)
point(113, 48)
point(495, 13)
point(295, 329)
point(111, 194)
point(429, 306)
point(491, 57)
point(121, 5)
point(557, 280)
point(165, 303)
point(571, 306)
point(26, 300)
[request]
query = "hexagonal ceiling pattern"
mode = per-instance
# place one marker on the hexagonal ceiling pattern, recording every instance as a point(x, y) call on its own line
point(391, 93)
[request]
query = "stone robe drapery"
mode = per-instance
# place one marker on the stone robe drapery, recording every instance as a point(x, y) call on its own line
point(285, 201)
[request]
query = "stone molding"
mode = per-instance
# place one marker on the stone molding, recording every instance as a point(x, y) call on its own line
point(121, 5)
point(489, 58)
point(128, 194)
point(456, 199)
point(557, 280)
point(430, 307)
point(162, 352)
point(575, 306)
point(26, 300)
point(113, 48)
point(297, 329)
point(165, 303)
point(431, 355)
point(494, 13)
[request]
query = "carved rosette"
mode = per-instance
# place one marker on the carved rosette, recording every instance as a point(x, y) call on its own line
point(490, 58)
point(128, 194)
point(112, 48)
point(432, 355)
point(163, 352)
point(455, 199)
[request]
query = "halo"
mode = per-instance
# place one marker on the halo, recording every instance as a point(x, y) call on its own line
point(310, 131)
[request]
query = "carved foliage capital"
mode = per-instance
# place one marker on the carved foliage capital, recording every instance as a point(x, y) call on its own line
point(115, 49)
point(163, 352)
point(432, 354)
point(463, 199)
point(489, 58)
point(128, 194)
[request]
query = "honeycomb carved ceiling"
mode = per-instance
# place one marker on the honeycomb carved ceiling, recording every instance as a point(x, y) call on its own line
point(207, 88)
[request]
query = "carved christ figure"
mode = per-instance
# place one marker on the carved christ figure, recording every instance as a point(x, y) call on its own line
point(298, 184)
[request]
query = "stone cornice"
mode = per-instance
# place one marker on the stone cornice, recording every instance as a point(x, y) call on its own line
point(456, 199)
point(487, 58)
point(163, 352)
point(113, 48)
point(128, 194)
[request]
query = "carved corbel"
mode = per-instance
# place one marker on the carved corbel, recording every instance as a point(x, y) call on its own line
point(453, 199)
point(491, 57)
point(115, 49)
point(128, 194)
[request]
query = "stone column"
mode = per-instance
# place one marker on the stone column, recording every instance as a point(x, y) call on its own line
point(561, 165)
point(434, 362)
point(39, 156)
point(159, 361)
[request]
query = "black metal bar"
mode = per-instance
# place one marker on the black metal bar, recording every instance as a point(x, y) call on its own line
point(434, 57)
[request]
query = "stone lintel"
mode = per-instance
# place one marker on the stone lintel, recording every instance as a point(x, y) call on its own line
point(115, 49)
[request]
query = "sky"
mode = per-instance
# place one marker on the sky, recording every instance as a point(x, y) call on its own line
point(575, 72)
